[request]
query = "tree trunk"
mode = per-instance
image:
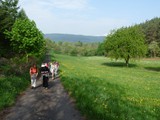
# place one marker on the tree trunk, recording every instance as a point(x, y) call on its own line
point(154, 54)
point(127, 60)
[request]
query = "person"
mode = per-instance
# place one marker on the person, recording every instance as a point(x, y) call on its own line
point(44, 70)
point(56, 67)
point(33, 74)
point(52, 69)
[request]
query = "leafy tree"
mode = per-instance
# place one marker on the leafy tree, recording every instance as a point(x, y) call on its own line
point(79, 43)
point(125, 43)
point(8, 15)
point(74, 52)
point(154, 48)
point(25, 38)
point(75, 48)
point(22, 14)
point(101, 49)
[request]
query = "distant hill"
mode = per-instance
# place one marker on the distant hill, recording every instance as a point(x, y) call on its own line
point(74, 38)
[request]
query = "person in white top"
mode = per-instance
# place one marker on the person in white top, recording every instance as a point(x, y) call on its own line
point(56, 67)
point(52, 69)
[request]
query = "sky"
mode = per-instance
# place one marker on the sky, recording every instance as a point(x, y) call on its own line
point(88, 17)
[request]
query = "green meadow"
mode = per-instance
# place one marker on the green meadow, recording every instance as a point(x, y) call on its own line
point(105, 89)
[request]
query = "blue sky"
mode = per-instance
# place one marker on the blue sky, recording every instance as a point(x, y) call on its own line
point(88, 17)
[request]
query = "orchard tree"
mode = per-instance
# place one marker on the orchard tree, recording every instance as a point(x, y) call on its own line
point(125, 43)
point(25, 38)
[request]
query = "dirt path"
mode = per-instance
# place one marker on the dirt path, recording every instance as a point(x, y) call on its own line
point(42, 104)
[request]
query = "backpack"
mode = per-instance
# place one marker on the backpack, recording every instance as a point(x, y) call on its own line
point(33, 70)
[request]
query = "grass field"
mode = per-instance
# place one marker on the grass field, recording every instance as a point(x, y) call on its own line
point(107, 90)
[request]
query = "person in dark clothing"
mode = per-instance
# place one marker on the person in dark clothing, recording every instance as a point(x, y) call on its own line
point(44, 70)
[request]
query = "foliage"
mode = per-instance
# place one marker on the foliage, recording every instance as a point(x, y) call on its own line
point(105, 90)
point(151, 30)
point(20, 41)
point(125, 43)
point(154, 48)
point(8, 15)
point(74, 49)
point(25, 38)
point(22, 14)
point(14, 78)
point(101, 49)
point(10, 88)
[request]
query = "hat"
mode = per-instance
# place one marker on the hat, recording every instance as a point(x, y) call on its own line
point(43, 65)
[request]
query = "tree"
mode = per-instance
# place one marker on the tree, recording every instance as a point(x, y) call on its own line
point(154, 48)
point(151, 30)
point(22, 14)
point(25, 38)
point(79, 44)
point(101, 49)
point(126, 43)
point(8, 15)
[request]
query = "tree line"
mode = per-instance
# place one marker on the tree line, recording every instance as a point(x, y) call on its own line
point(151, 29)
point(140, 40)
point(73, 48)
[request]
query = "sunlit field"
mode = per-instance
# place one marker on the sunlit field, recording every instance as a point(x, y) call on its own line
point(108, 90)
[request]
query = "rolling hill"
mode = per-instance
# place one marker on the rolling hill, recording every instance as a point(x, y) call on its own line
point(74, 38)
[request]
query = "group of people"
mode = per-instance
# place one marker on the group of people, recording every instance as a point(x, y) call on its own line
point(45, 70)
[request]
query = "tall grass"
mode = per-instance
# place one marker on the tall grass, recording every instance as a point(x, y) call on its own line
point(107, 90)
point(10, 87)
point(14, 79)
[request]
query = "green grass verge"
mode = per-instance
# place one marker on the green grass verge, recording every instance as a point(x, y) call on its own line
point(107, 90)
point(13, 80)
point(10, 87)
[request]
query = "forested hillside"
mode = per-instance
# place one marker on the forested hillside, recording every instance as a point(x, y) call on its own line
point(74, 38)
point(151, 29)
